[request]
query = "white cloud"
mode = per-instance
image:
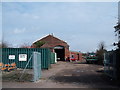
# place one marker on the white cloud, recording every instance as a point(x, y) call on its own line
point(28, 15)
point(18, 31)
point(36, 17)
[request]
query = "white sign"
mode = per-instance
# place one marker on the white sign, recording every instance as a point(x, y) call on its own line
point(22, 57)
point(11, 56)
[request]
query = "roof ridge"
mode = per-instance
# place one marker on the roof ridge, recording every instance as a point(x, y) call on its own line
point(48, 36)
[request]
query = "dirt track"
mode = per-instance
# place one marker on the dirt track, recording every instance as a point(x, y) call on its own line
point(68, 75)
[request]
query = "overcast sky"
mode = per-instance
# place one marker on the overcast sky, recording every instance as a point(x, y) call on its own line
point(83, 25)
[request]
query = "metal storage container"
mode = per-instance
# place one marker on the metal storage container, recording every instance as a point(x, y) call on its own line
point(10, 55)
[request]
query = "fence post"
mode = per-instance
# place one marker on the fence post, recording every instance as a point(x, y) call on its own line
point(36, 66)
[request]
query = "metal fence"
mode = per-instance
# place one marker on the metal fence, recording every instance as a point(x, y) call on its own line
point(29, 61)
point(35, 72)
point(112, 64)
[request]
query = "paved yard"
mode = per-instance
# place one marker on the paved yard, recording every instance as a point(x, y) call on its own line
point(68, 75)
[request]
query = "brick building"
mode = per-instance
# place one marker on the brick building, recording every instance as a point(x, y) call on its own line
point(75, 55)
point(56, 45)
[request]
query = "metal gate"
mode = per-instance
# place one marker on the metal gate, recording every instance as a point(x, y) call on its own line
point(36, 66)
point(112, 64)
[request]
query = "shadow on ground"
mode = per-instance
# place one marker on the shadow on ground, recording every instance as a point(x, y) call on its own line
point(85, 78)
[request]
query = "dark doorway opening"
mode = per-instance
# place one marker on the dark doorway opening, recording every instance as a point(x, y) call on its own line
point(60, 53)
point(78, 57)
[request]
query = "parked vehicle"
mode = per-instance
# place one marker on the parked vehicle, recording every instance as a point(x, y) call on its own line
point(73, 59)
point(91, 58)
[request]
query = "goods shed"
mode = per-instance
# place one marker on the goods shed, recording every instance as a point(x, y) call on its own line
point(60, 47)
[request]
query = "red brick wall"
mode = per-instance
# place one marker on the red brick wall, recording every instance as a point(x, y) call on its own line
point(76, 55)
point(67, 53)
point(52, 42)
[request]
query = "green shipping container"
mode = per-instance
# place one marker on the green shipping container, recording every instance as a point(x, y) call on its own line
point(10, 55)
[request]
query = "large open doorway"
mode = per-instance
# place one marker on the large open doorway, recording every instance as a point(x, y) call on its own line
point(60, 51)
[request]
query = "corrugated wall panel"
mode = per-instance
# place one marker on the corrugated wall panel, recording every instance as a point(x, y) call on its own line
point(52, 58)
point(45, 57)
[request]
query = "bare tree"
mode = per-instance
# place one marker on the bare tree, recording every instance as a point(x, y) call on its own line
point(100, 52)
point(5, 45)
point(25, 45)
point(101, 45)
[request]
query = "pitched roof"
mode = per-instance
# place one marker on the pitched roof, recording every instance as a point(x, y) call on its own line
point(52, 37)
point(50, 40)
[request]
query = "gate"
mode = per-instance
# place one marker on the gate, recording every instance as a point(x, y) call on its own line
point(112, 64)
point(36, 66)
